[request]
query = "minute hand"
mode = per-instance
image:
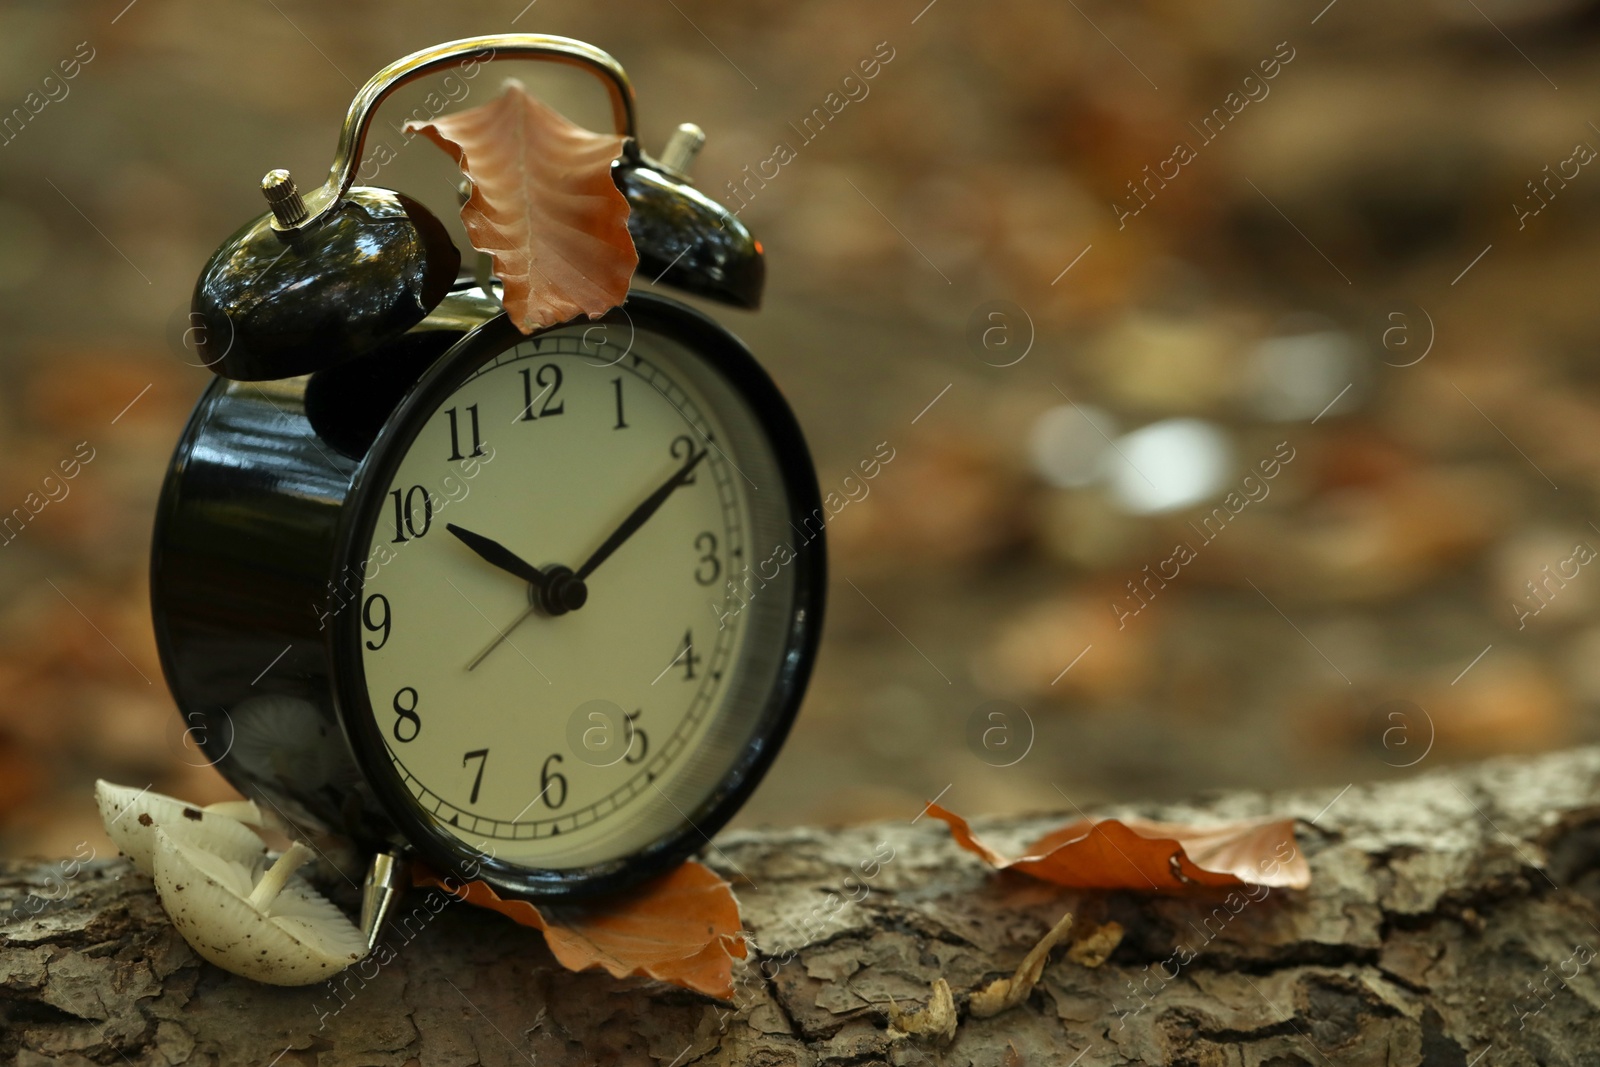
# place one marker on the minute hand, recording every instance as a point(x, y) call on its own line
point(640, 516)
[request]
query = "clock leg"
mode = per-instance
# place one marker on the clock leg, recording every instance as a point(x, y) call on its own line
point(384, 883)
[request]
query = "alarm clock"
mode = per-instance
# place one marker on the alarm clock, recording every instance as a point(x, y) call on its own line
point(536, 610)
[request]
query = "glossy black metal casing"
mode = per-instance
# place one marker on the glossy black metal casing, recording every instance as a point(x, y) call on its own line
point(255, 535)
point(268, 306)
point(689, 241)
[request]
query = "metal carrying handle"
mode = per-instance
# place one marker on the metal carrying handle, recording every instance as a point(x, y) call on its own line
point(293, 213)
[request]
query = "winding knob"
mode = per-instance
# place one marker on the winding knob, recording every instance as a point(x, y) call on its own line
point(684, 144)
point(288, 206)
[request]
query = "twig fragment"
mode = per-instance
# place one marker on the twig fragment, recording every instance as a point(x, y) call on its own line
point(1003, 993)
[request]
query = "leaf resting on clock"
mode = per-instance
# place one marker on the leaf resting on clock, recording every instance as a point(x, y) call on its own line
point(682, 928)
point(1162, 857)
point(543, 205)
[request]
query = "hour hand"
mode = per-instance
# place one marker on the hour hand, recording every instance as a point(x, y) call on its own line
point(499, 555)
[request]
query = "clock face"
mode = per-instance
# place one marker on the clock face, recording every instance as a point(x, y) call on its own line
point(579, 598)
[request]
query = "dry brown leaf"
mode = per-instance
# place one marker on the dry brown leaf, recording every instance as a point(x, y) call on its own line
point(543, 205)
point(682, 928)
point(1003, 993)
point(1163, 857)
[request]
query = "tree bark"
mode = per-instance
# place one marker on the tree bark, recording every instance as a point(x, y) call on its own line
point(1452, 920)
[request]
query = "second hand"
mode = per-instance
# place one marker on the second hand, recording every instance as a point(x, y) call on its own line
point(498, 641)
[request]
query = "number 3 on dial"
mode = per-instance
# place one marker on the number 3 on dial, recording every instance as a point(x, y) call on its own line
point(710, 567)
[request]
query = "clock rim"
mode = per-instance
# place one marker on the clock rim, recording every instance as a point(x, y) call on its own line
point(728, 357)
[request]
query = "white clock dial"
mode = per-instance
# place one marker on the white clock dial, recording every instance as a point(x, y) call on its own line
point(554, 738)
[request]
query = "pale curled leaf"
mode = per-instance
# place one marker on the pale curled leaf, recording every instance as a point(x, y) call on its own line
point(543, 205)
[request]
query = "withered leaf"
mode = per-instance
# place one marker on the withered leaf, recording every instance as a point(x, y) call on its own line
point(682, 928)
point(1141, 854)
point(1096, 946)
point(936, 1019)
point(543, 205)
point(1003, 993)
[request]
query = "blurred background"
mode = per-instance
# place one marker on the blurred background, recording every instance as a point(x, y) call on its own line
point(1237, 362)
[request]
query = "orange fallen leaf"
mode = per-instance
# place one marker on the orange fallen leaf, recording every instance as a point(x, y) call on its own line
point(543, 205)
point(682, 928)
point(1141, 854)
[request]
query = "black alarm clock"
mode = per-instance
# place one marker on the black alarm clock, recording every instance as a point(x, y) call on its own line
point(537, 610)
